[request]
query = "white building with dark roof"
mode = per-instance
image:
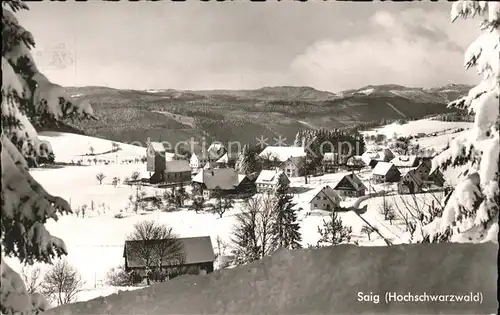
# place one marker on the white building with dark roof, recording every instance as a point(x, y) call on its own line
point(268, 180)
point(320, 198)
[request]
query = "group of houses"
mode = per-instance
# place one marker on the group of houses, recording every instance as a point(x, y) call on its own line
point(209, 172)
point(412, 173)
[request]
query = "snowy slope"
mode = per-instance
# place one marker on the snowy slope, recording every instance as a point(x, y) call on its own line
point(321, 281)
point(99, 237)
point(68, 146)
point(412, 128)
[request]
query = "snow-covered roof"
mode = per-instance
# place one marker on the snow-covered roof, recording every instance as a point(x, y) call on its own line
point(368, 156)
point(157, 146)
point(355, 160)
point(216, 146)
point(385, 155)
point(330, 156)
point(355, 182)
point(241, 177)
point(282, 153)
point(326, 189)
point(223, 159)
point(382, 168)
point(404, 161)
point(216, 150)
point(269, 177)
point(413, 174)
point(197, 250)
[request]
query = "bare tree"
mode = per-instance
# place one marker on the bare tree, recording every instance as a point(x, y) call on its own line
point(265, 224)
point(222, 203)
point(118, 277)
point(62, 283)
point(135, 176)
point(415, 210)
point(385, 207)
point(84, 208)
point(391, 215)
point(252, 234)
point(155, 245)
point(198, 203)
point(221, 246)
point(32, 278)
point(92, 150)
point(100, 177)
point(115, 146)
point(368, 230)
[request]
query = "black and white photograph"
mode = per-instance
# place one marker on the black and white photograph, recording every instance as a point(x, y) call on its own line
point(250, 157)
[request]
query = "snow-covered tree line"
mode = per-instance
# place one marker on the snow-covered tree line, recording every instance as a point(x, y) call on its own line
point(26, 95)
point(323, 140)
point(471, 212)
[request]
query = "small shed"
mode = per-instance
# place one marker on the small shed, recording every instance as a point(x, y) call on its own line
point(198, 255)
point(385, 172)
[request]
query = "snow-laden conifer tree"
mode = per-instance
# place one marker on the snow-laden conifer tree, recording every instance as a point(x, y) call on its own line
point(285, 229)
point(26, 206)
point(471, 212)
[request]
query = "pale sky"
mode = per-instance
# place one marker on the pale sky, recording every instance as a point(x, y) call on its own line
point(243, 45)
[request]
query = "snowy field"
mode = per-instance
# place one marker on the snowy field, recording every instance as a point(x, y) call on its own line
point(415, 127)
point(67, 147)
point(95, 243)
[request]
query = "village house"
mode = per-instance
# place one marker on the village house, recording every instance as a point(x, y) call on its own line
point(405, 161)
point(200, 157)
point(198, 160)
point(223, 161)
point(385, 155)
point(385, 172)
point(291, 167)
point(434, 178)
point(222, 180)
point(330, 162)
point(373, 157)
point(322, 198)
point(273, 156)
point(198, 256)
point(156, 162)
point(268, 180)
point(370, 158)
point(177, 171)
point(354, 163)
point(350, 186)
point(411, 182)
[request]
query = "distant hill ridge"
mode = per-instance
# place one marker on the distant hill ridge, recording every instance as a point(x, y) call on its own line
point(242, 115)
point(282, 92)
